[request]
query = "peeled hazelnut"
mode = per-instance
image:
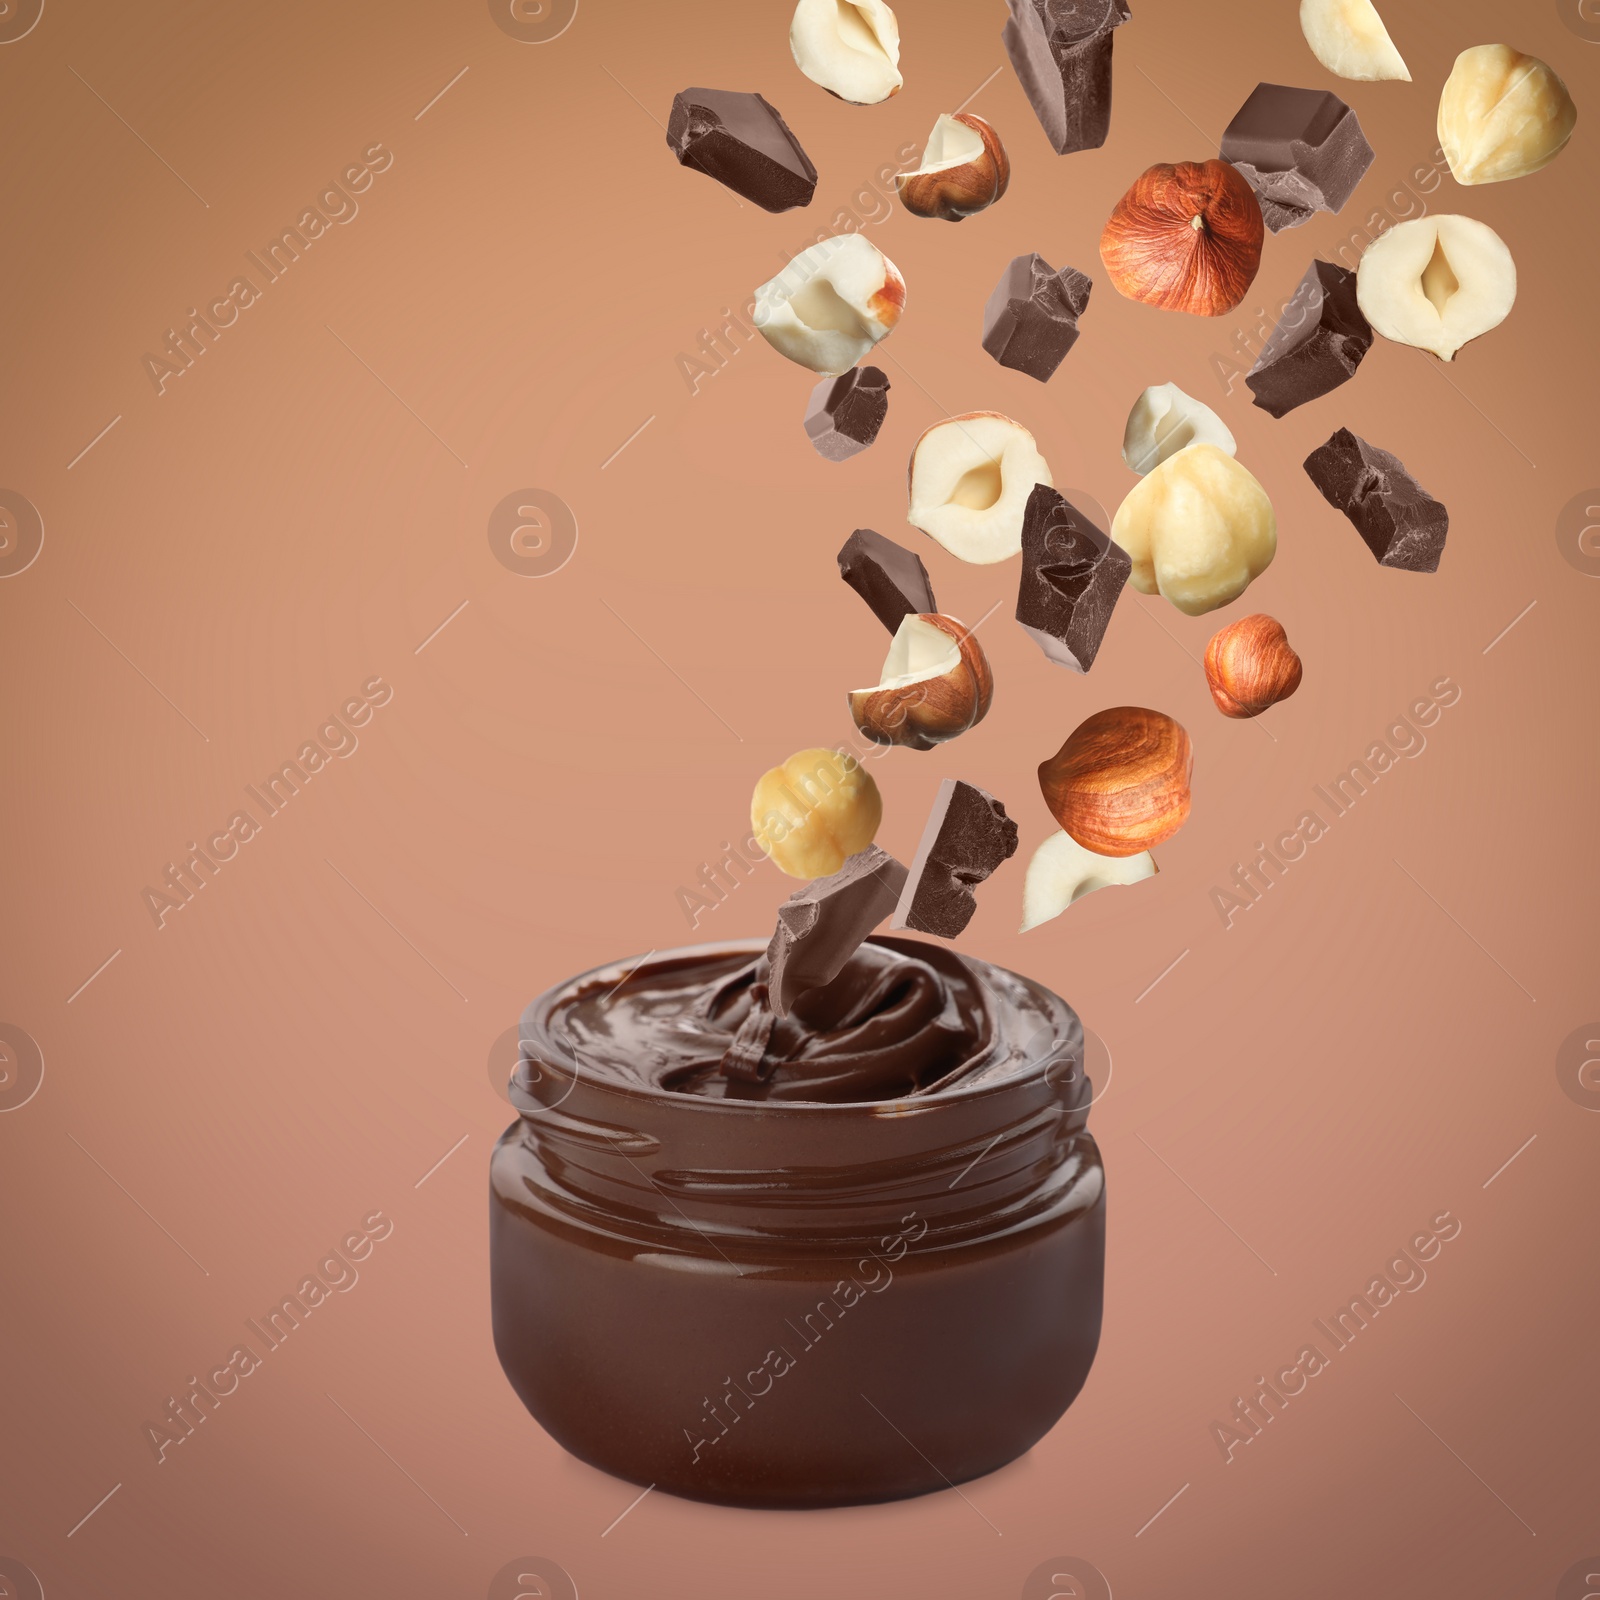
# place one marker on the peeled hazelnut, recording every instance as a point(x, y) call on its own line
point(1348, 37)
point(831, 304)
point(1436, 283)
point(1165, 420)
point(964, 169)
point(1502, 115)
point(1250, 666)
point(1062, 871)
point(1199, 528)
point(1186, 238)
point(1120, 784)
point(935, 684)
point(814, 810)
point(853, 51)
point(970, 479)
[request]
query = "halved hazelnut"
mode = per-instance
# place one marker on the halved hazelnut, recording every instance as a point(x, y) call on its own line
point(964, 169)
point(1502, 115)
point(970, 479)
point(935, 684)
point(1348, 37)
point(1251, 665)
point(831, 304)
point(1199, 528)
point(1186, 238)
point(1437, 283)
point(1120, 784)
point(1165, 420)
point(1062, 871)
point(814, 810)
point(853, 51)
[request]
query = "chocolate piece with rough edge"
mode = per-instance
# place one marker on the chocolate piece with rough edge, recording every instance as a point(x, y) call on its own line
point(1061, 53)
point(1031, 319)
point(1301, 150)
point(1317, 345)
point(822, 925)
point(968, 835)
point(742, 142)
point(844, 414)
point(890, 578)
point(1403, 525)
point(1072, 574)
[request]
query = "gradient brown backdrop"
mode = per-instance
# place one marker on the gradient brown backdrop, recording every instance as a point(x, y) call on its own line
point(308, 1040)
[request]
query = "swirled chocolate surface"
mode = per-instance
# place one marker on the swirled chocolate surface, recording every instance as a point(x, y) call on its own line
point(903, 1019)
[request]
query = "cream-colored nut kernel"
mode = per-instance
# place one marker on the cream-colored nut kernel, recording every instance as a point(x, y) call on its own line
point(1502, 115)
point(1199, 528)
point(814, 810)
point(1348, 37)
point(1062, 872)
point(970, 479)
point(831, 304)
point(1437, 283)
point(1165, 420)
point(853, 51)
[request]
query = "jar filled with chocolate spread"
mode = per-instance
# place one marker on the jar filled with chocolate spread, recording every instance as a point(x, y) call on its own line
point(848, 1254)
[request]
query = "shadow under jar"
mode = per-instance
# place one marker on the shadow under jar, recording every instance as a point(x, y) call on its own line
point(867, 1267)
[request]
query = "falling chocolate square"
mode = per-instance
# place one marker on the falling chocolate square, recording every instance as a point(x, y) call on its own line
point(890, 578)
point(1301, 150)
point(742, 142)
point(1072, 574)
point(1317, 345)
point(822, 925)
point(968, 835)
point(1061, 52)
point(1403, 525)
point(1031, 320)
point(844, 414)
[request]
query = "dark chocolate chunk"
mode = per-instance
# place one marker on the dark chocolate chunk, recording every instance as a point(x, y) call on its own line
point(742, 142)
point(1403, 525)
point(1072, 574)
point(890, 578)
point(745, 1057)
point(1061, 52)
point(1317, 345)
point(821, 926)
point(1031, 320)
point(844, 414)
point(968, 835)
point(1301, 150)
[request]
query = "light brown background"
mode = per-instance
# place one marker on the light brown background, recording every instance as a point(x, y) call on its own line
point(305, 1041)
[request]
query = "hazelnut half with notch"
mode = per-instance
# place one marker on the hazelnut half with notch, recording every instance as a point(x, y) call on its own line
point(964, 169)
point(935, 684)
point(1436, 283)
point(1502, 115)
point(831, 304)
point(1250, 666)
point(1348, 37)
point(1120, 784)
point(969, 481)
point(814, 810)
point(853, 51)
point(1186, 238)
point(1063, 872)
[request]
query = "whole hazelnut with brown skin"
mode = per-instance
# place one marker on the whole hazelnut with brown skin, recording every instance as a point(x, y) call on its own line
point(964, 169)
point(1250, 666)
point(1120, 784)
point(1186, 238)
point(935, 684)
